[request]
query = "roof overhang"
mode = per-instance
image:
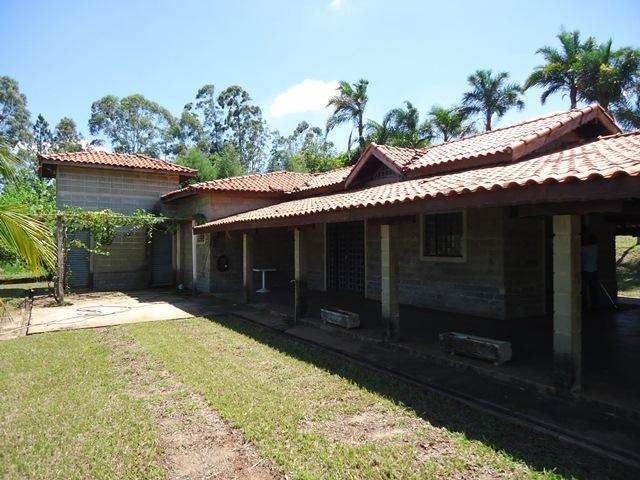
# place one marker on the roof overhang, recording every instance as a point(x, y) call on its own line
point(55, 163)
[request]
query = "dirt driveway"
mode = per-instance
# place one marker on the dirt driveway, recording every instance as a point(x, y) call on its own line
point(101, 309)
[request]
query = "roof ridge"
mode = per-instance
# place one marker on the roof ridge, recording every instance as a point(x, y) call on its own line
point(247, 175)
point(585, 109)
point(621, 134)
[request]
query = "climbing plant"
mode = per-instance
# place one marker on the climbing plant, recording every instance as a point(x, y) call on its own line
point(104, 225)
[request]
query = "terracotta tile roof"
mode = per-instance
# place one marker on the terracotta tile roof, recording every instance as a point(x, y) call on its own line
point(118, 160)
point(270, 182)
point(606, 157)
point(325, 179)
point(510, 142)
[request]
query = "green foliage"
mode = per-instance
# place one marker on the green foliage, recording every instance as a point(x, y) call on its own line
point(407, 130)
point(213, 122)
point(15, 123)
point(21, 233)
point(66, 136)
point(196, 158)
point(42, 134)
point(605, 73)
point(104, 225)
point(228, 162)
point(560, 71)
point(134, 124)
point(305, 150)
point(450, 123)
point(627, 110)
point(348, 107)
point(37, 196)
point(491, 95)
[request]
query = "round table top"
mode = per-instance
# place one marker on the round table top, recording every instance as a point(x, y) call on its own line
point(264, 269)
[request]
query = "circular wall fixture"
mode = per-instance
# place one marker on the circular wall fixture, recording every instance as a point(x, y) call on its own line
point(222, 263)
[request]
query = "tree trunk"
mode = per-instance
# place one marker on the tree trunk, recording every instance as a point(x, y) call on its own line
point(487, 123)
point(573, 96)
point(60, 234)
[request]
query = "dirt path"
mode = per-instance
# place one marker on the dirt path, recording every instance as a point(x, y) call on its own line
point(197, 443)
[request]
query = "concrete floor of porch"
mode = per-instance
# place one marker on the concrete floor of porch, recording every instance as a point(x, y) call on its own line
point(611, 342)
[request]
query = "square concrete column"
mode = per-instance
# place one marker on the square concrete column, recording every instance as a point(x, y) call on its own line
point(299, 274)
point(567, 302)
point(389, 293)
point(247, 266)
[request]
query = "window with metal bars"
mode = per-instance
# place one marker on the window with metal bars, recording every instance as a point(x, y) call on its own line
point(443, 235)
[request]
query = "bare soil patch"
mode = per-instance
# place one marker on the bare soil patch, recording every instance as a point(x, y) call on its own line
point(196, 441)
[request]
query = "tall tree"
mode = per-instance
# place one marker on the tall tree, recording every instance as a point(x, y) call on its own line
point(408, 130)
point(42, 134)
point(381, 133)
point(491, 95)
point(305, 150)
point(560, 70)
point(15, 124)
point(66, 136)
point(348, 107)
point(242, 125)
point(210, 122)
point(627, 110)
point(605, 73)
point(134, 124)
point(450, 123)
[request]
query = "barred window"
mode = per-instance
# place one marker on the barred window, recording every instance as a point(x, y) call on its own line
point(443, 235)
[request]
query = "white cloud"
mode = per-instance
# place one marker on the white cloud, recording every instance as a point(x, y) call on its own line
point(307, 96)
point(336, 4)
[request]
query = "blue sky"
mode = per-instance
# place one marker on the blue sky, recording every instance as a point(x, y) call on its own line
point(66, 54)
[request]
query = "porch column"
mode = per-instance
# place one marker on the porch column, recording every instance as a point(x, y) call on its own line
point(178, 254)
point(194, 257)
point(247, 266)
point(389, 293)
point(567, 315)
point(299, 274)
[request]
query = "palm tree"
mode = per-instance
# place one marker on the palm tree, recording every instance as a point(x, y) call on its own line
point(348, 107)
point(449, 123)
point(560, 72)
point(605, 73)
point(491, 95)
point(407, 128)
point(380, 133)
point(627, 111)
point(20, 233)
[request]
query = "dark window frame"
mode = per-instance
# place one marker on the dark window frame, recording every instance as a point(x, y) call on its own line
point(443, 236)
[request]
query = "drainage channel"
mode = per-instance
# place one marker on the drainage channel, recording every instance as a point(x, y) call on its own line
point(623, 456)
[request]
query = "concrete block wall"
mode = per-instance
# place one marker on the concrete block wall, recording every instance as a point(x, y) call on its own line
point(230, 245)
point(123, 191)
point(314, 246)
point(273, 248)
point(606, 236)
point(473, 287)
point(524, 266)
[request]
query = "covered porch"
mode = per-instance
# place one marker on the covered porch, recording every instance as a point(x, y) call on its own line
point(610, 341)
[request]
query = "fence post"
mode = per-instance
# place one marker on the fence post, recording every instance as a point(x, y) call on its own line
point(60, 234)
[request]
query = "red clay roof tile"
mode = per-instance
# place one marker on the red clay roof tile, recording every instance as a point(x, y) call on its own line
point(117, 160)
point(513, 141)
point(604, 158)
point(276, 182)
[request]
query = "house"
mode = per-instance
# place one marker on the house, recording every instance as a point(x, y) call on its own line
point(488, 226)
point(124, 183)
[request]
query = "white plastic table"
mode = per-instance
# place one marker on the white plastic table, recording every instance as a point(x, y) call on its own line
point(264, 278)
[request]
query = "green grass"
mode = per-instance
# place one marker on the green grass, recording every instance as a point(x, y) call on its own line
point(629, 270)
point(293, 403)
point(14, 269)
point(64, 413)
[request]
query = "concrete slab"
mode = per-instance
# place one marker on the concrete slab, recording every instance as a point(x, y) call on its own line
point(109, 308)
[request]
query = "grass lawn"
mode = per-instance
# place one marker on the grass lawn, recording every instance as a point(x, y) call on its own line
point(629, 270)
point(64, 412)
point(69, 409)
